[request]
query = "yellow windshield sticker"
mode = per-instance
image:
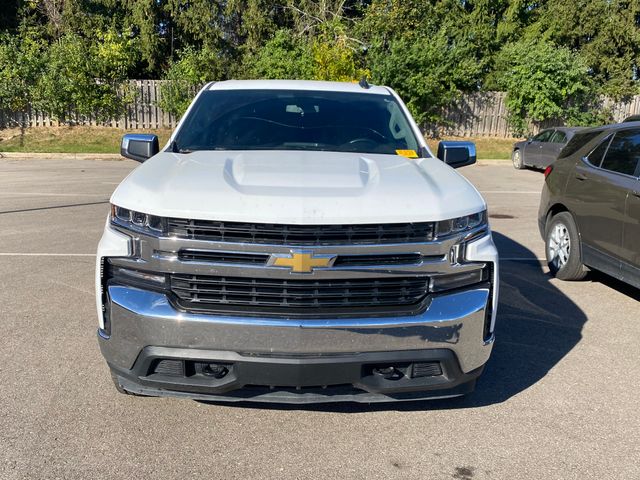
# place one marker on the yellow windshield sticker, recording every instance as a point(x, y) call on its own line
point(407, 153)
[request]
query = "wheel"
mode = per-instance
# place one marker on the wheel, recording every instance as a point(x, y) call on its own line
point(562, 246)
point(516, 158)
point(119, 388)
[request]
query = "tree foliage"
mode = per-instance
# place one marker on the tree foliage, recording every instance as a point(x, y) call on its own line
point(283, 56)
point(193, 69)
point(21, 64)
point(542, 81)
point(551, 57)
point(85, 76)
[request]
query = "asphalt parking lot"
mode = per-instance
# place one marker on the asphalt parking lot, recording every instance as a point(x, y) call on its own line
point(558, 400)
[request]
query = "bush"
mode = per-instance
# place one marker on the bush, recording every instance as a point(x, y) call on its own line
point(85, 77)
point(185, 76)
point(283, 57)
point(325, 57)
point(429, 73)
point(21, 64)
point(542, 82)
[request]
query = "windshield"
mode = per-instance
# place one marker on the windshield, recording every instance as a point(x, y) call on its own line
point(296, 120)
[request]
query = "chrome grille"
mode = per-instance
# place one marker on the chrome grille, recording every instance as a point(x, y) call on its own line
point(280, 234)
point(188, 255)
point(200, 292)
point(248, 258)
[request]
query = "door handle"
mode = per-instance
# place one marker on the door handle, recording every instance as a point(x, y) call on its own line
point(581, 176)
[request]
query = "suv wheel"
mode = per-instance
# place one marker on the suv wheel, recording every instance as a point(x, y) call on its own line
point(562, 246)
point(516, 158)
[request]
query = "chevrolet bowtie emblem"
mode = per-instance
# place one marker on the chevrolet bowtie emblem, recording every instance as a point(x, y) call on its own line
point(300, 261)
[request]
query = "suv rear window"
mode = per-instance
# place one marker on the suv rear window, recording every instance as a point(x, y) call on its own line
point(578, 141)
point(296, 120)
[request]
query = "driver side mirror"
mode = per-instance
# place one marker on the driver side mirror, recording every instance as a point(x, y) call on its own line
point(139, 147)
point(457, 154)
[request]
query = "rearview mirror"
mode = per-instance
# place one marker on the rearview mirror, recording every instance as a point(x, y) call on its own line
point(457, 154)
point(139, 146)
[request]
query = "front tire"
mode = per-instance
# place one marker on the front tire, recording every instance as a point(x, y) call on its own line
point(562, 247)
point(516, 158)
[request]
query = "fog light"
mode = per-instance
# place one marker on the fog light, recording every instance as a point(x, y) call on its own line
point(122, 274)
point(214, 370)
point(388, 373)
point(440, 283)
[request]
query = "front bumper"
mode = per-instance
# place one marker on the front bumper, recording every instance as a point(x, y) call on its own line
point(423, 374)
point(296, 360)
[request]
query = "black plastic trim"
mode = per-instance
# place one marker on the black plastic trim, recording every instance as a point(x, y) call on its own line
point(300, 379)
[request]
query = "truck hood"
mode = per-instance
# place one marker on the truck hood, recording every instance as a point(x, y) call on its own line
point(297, 187)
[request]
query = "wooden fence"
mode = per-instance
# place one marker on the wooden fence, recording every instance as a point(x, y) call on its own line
point(477, 115)
point(142, 113)
point(485, 115)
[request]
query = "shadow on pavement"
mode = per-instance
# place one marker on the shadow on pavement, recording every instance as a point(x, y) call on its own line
point(537, 326)
point(616, 284)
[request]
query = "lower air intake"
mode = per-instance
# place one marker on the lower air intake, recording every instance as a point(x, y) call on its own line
point(429, 369)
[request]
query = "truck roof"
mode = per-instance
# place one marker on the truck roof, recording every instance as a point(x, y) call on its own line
point(311, 85)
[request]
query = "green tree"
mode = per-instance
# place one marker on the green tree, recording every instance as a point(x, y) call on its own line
point(542, 82)
point(21, 64)
point(425, 51)
point(85, 76)
point(604, 33)
point(284, 56)
point(194, 68)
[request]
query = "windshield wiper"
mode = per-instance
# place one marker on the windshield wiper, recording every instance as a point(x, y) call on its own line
point(174, 148)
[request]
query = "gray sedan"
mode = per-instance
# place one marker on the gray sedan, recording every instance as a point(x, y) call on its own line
point(541, 150)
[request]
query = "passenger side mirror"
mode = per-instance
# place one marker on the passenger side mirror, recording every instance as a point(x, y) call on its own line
point(457, 154)
point(139, 146)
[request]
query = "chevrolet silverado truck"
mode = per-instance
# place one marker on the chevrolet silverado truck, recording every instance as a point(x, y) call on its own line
point(296, 241)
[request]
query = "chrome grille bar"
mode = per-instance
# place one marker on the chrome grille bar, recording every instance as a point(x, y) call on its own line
point(296, 235)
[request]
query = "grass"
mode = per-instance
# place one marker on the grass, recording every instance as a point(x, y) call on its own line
point(107, 140)
point(486, 147)
point(68, 139)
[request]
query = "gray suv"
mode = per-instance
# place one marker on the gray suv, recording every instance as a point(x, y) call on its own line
point(590, 207)
point(541, 150)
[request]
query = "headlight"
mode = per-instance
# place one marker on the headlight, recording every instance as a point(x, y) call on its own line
point(139, 221)
point(454, 226)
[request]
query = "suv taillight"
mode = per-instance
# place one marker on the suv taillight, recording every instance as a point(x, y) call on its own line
point(547, 171)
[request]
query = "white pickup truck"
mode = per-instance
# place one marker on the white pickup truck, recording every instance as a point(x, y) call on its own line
point(298, 242)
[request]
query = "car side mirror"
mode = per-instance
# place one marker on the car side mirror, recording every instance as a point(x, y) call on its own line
point(139, 146)
point(457, 154)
